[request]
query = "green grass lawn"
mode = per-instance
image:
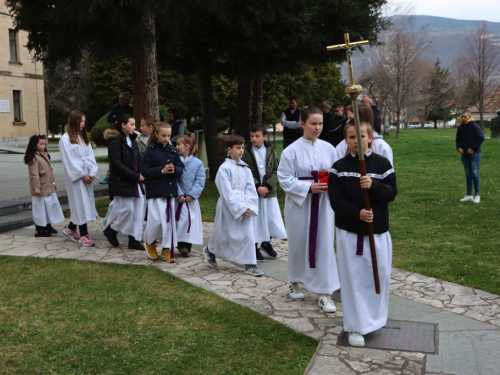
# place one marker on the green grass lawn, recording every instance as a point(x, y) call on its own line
point(77, 317)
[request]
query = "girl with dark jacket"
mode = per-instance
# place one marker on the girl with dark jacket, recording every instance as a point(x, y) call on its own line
point(161, 167)
point(125, 188)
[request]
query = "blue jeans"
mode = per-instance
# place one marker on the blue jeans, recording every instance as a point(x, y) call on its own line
point(471, 165)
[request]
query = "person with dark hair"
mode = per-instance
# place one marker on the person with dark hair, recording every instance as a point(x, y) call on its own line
point(263, 161)
point(125, 212)
point(468, 144)
point(80, 169)
point(333, 124)
point(177, 124)
point(377, 127)
point(233, 236)
point(303, 174)
point(44, 203)
point(290, 119)
point(146, 128)
point(495, 126)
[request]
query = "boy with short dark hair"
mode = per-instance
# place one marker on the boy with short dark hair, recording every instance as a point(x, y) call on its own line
point(233, 235)
point(263, 161)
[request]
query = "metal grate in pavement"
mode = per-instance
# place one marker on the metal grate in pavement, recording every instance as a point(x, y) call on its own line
point(399, 335)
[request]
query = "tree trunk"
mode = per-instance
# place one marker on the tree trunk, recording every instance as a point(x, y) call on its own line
point(208, 114)
point(243, 108)
point(145, 76)
point(397, 123)
point(257, 97)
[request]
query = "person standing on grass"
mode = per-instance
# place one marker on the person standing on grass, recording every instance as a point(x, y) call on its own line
point(468, 144)
point(44, 203)
point(80, 169)
point(364, 310)
point(125, 212)
point(191, 184)
point(308, 215)
point(146, 128)
point(263, 162)
point(233, 236)
point(290, 119)
point(161, 167)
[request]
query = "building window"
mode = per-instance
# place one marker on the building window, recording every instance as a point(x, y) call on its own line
point(17, 106)
point(14, 55)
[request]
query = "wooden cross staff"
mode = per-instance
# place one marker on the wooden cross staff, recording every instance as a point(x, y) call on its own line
point(353, 91)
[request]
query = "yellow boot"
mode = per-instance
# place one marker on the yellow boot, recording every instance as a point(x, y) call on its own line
point(151, 250)
point(167, 255)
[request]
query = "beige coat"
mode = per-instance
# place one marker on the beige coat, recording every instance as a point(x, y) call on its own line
point(41, 175)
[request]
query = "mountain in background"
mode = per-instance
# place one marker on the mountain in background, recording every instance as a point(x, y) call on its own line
point(447, 35)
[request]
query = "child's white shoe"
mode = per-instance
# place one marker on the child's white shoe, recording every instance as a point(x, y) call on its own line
point(356, 339)
point(327, 305)
point(467, 198)
point(477, 199)
point(294, 291)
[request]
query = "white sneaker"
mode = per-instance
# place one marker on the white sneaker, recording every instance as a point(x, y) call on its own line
point(251, 269)
point(467, 198)
point(294, 291)
point(477, 199)
point(326, 304)
point(356, 339)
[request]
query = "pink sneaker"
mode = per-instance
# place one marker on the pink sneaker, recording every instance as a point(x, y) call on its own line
point(86, 241)
point(71, 234)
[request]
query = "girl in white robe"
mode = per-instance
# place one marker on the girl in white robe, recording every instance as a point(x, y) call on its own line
point(80, 169)
point(309, 219)
point(233, 235)
point(191, 184)
point(44, 203)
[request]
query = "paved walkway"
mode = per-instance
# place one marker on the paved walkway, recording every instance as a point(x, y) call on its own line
point(468, 319)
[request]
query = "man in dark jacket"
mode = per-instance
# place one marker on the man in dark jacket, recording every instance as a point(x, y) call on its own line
point(495, 126)
point(468, 144)
point(290, 119)
point(121, 108)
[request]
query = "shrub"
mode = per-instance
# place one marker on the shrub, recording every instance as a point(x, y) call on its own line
point(97, 131)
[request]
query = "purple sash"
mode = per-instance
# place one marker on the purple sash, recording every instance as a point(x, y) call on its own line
point(359, 245)
point(313, 223)
point(178, 214)
point(169, 216)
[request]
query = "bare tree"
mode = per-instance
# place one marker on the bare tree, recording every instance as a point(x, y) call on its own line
point(479, 68)
point(400, 67)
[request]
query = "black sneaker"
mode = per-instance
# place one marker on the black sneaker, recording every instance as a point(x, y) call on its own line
point(268, 248)
point(50, 229)
point(133, 244)
point(209, 257)
point(111, 236)
point(259, 255)
point(42, 233)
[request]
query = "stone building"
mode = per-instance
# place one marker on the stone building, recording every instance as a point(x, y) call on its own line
point(22, 100)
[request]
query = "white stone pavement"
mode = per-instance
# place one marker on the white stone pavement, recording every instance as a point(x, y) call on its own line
point(468, 319)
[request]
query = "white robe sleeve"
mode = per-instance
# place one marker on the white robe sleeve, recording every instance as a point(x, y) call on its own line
point(251, 197)
point(234, 200)
point(91, 162)
point(74, 168)
point(382, 148)
point(297, 190)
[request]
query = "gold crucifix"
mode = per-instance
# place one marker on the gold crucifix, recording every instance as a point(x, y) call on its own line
point(353, 91)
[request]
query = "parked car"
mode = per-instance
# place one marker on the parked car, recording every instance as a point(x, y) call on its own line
point(428, 126)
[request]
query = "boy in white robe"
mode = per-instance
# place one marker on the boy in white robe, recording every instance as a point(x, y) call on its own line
point(364, 310)
point(233, 236)
point(263, 162)
point(308, 215)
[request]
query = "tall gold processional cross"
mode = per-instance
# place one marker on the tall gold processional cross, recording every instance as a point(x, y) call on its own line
point(353, 91)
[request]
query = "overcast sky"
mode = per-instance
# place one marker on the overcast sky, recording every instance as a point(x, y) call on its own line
point(477, 10)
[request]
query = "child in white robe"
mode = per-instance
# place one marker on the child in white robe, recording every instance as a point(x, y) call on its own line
point(233, 236)
point(364, 310)
point(44, 203)
point(80, 170)
point(191, 184)
point(161, 166)
point(308, 215)
point(263, 162)
point(125, 212)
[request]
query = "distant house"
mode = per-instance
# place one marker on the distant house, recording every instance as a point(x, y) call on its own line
point(489, 110)
point(22, 100)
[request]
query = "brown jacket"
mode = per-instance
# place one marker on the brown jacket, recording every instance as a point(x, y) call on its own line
point(41, 175)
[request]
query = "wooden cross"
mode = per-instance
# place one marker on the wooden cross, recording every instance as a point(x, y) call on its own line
point(353, 91)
